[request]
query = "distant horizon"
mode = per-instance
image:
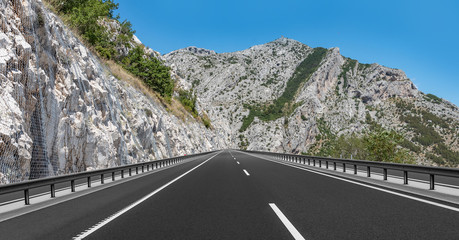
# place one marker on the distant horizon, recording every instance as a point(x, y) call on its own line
point(416, 37)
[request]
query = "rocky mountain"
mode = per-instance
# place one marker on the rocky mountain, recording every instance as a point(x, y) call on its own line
point(63, 111)
point(284, 96)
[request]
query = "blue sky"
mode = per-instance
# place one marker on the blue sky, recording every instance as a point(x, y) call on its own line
point(419, 37)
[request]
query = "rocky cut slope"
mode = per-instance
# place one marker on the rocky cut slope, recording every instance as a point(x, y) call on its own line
point(284, 96)
point(62, 111)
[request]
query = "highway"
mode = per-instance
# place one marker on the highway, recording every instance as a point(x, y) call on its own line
point(235, 195)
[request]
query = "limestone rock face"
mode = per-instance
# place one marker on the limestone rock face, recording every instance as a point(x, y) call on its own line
point(62, 111)
point(342, 96)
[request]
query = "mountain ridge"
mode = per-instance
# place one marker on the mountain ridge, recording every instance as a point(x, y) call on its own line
point(347, 94)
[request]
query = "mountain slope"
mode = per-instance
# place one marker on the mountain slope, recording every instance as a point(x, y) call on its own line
point(62, 111)
point(245, 93)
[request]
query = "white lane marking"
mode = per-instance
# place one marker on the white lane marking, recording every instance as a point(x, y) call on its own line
point(297, 235)
point(237, 162)
point(372, 187)
point(124, 210)
point(246, 173)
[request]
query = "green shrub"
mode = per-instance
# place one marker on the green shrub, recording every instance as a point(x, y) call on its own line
point(377, 145)
point(150, 70)
point(188, 99)
point(382, 146)
point(449, 155)
point(435, 159)
point(349, 65)
point(206, 122)
point(411, 146)
point(433, 98)
point(426, 135)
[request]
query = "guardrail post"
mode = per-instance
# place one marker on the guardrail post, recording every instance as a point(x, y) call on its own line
point(136, 170)
point(89, 181)
point(72, 185)
point(122, 173)
point(113, 176)
point(355, 169)
point(143, 168)
point(385, 173)
point(344, 167)
point(326, 164)
point(26, 197)
point(102, 178)
point(314, 162)
point(53, 191)
point(309, 161)
point(320, 163)
point(368, 171)
point(405, 177)
point(432, 182)
point(148, 167)
point(130, 172)
point(334, 166)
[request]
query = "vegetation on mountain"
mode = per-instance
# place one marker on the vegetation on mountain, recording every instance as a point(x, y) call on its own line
point(150, 70)
point(188, 99)
point(432, 98)
point(452, 157)
point(284, 106)
point(376, 145)
point(348, 66)
point(88, 16)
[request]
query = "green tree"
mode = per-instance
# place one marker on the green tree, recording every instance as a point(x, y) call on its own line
point(383, 146)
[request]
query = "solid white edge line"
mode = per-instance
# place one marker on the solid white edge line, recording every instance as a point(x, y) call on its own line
point(369, 186)
point(246, 173)
point(297, 235)
point(131, 206)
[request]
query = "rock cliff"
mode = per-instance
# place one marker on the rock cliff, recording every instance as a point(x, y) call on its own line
point(62, 111)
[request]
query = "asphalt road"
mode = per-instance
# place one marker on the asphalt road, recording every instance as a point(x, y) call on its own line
point(219, 200)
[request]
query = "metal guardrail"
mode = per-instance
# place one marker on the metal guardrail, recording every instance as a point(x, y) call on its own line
point(405, 168)
point(51, 181)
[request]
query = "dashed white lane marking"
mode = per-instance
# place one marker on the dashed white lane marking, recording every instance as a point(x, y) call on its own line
point(238, 162)
point(122, 211)
point(246, 173)
point(297, 235)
